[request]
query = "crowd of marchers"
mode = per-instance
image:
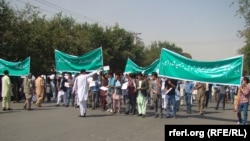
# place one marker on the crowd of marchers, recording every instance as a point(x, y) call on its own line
point(123, 93)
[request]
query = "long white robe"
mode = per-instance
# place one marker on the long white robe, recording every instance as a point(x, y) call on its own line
point(6, 87)
point(82, 87)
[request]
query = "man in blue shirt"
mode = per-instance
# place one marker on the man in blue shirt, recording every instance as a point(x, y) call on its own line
point(95, 91)
point(188, 95)
point(170, 86)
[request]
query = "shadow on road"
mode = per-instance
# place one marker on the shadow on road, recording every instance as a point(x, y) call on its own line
point(9, 112)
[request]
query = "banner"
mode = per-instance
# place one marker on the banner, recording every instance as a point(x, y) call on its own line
point(21, 68)
point(131, 67)
point(227, 71)
point(90, 61)
point(154, 67)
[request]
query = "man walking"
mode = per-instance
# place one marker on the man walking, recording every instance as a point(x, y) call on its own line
point(6, 91)
point(39, 82)
point(243, 101)
point(28, 91)
point(81, 86)
point(200, 87)
point(69, 89)
point(62, 90)
point(141, 87)
point(131, 107)
point(208, 94)
point(222, 96)
point(95, 91)
point(170, 86)
point(188, 95)
point(156, 91)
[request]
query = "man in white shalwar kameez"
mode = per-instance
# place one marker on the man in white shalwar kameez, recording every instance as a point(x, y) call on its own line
point(81, 87)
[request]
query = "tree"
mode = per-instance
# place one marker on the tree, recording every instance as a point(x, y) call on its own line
point(188, 55)
point(118, 46)
point(27, 33)
point(153, 52)
point(7, 16)
point(244, 11)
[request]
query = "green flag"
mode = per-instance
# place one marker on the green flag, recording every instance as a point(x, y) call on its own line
point(131, 67)
point(227, 71)
point(15, 68)
point(70, 63)
point(154, 67)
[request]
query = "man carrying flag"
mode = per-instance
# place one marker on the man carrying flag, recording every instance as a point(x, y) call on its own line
point(81, 87)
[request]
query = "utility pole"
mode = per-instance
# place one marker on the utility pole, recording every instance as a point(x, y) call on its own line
point(136, 38)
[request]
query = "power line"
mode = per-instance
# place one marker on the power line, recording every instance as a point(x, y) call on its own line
point(49, 4)
point(35, 6)
point(67, 11)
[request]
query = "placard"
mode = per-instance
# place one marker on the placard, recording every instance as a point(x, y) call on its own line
point(92, 84)
point(66, 84)
point(103, 88)
point(125, 86)
point(106, 68)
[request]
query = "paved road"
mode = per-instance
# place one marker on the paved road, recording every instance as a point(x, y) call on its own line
point(50, 123)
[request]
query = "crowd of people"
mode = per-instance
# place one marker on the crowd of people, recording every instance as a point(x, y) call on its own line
point(110, 92)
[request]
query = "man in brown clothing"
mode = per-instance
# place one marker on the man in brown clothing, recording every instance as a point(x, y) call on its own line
point(200, 87)
point(39, 83)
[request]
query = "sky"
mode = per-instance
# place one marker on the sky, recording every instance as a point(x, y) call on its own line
point(207, 29)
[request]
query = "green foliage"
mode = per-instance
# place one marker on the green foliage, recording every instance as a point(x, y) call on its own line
point(26, 32)
point(153, 52)
point(244, 11)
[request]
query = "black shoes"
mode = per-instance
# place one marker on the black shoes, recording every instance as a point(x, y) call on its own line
point(141, 115)
point(4, 109)
point(84, 115)
point(156, 115)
